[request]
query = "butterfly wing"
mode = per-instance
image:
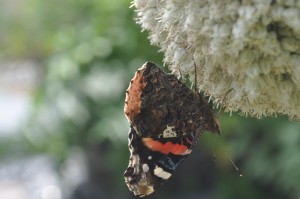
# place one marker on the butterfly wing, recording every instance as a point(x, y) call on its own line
point(166, 119)
point(153, 160)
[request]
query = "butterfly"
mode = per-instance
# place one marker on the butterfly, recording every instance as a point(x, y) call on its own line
point(166, 121)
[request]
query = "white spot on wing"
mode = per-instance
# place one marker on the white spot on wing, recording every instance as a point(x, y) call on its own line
point(145, 167)
point(168, 132)
point(159, 172)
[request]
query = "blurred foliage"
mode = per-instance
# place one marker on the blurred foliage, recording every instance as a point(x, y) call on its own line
point(88, 52)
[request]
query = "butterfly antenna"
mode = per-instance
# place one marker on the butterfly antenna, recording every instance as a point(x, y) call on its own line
point(230, 159)
point(195, 80)
point(180, 75)
point(233, 164)
point(213, 146)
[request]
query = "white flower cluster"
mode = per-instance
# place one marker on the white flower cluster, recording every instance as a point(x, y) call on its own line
point(250, 48)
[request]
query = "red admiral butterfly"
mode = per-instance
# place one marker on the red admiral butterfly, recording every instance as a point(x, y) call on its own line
point(166, 120)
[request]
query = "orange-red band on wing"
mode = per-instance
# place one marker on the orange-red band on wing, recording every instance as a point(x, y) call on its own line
point(166, 148)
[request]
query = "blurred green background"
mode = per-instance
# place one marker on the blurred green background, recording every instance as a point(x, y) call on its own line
point(64, 69)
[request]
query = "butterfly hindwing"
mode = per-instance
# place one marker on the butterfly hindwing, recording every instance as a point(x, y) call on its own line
point(153, 160)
